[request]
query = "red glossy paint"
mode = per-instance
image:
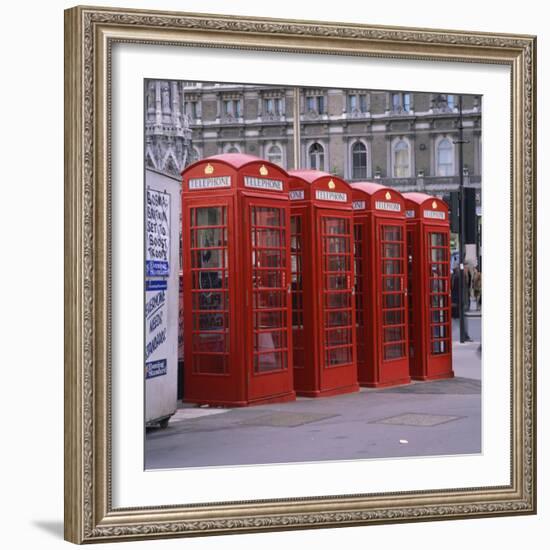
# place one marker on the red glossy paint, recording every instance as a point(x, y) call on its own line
point(381, 285)
point(428, 237)
point(236, 282)
point(322, 284)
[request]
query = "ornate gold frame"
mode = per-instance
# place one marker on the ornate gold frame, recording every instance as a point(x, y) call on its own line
point(89, 35)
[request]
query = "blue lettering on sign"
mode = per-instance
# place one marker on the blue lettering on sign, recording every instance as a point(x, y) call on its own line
point(156, 284)
point(158, 339)
point(155, 268)
point(156, 368)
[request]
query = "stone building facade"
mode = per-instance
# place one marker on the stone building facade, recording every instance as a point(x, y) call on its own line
point(406, 140)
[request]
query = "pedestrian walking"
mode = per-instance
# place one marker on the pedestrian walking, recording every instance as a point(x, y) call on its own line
point(476, 284)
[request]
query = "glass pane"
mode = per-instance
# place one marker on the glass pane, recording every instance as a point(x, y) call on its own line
point(338, 300)
point(270, 319)
point(208, 279)
point(266, 362)
point(394, 317)
point(391, 233)
point(209, 342)
point(340, 356)
point(209, 258)
point(209, 300)
point(394, 351)
point(439, 301)
point(296, 271)
point(439, 331)
point(296, 224)
point(437, 239)
point(441, 346)
point(392, 300)
point(338, 318)
point(439, 285)
point(338, 337)
point(438, 254)
point(394, 334)
point(267, 216)
point(439, 270)
point(268, 258)
point(297, 322)
point(266, 341)
point(392, 267)
point(212, 215)
point(439, 316)
point(335, 226)
point(210, 321)
point(267, 279)
point(269, 300)
point(336, 282)
point(391, 283)
point(392, 250)
point(266, 237)
point(337, 244)
point(337, 263)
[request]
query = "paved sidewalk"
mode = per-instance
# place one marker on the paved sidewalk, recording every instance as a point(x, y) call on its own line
point(420, 419)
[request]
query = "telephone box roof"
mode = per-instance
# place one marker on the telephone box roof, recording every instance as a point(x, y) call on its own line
point(235, 160)
point(370, 187)
point(418, 198)
point(310, 176)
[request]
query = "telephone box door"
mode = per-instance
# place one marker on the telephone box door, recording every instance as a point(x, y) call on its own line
point(392, 305)
point(439, 299)
point(337, 299)
point(208, 324)
point(267, 226)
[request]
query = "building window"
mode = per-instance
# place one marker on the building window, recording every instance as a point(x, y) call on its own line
point(401, 102)
point(275, 155)
point(191, 109)
point(401, 164)
point(451, 101)
point(316, 157)
point(445, 158)
point(357, 103)
point(359, 161)
point(315, 104)
point(232, 149)
point(273, 106)
point(232, 108)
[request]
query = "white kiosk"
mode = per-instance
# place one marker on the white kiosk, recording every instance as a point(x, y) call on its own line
point(162, 223)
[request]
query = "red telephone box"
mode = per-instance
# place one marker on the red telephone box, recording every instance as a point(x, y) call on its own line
point(236, 285)
point(429, 268)
point(381, 285)
point(323, 316)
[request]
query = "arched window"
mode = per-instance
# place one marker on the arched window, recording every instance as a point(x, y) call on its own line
point(316, 157)
point(401, 164)
point(232, 149)
point(275, 155)
point(359, 160)
point(445, 158)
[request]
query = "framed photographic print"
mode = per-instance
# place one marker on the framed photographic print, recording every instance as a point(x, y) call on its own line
point(300, 274)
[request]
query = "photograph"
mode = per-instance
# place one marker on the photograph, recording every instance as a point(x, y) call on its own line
point(313, 268)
